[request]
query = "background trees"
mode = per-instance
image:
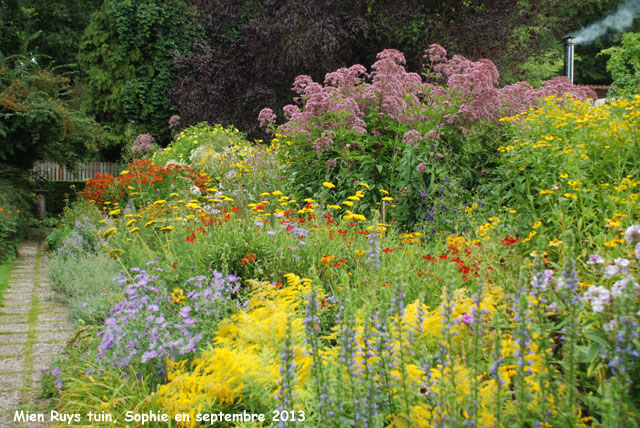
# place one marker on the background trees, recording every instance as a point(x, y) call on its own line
point(125, 53)
point(223, 60)
point(36, 122)
point(251, 50)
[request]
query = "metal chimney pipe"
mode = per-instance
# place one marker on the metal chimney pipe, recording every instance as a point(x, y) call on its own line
point(569, 44)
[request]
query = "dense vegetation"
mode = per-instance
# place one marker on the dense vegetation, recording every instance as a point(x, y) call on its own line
point(297, 276)
point(419, 239)
point(134, 64)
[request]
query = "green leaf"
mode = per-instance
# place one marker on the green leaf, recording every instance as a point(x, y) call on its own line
point(597, 337)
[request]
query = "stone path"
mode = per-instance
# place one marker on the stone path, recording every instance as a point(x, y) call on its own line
point(34, 329)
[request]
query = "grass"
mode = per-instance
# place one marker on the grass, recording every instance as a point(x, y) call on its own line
point(5, 271)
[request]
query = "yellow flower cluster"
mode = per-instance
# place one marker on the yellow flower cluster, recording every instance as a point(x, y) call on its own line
point(244, 358)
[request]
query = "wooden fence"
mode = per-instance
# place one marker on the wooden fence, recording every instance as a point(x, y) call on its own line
point(52, 171)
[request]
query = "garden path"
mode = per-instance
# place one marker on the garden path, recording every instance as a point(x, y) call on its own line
point(33, 330)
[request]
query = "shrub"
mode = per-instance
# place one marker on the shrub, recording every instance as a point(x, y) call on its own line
point(15, 210)
point(60, 194)
point(77, 228)
point(624, 66)
point(85, 283)
point(36, 121)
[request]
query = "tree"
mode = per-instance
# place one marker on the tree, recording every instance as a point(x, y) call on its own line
point(59, 27)
point(251, 50)
point(624, 66)
point(125, 53)
point(35, 121)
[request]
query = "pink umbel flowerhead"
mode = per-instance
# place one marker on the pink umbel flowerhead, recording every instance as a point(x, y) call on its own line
point(421, 167)
point(143, 143)
point(435, 54)
point(266, 118)
point(174, 122)
point(322, 145)
point(412, 138)
point(289, 110)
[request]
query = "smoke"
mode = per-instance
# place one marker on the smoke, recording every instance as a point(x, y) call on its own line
point(620, 20)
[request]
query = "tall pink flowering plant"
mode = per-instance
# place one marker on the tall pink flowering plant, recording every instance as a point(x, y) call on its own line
point(394, 129)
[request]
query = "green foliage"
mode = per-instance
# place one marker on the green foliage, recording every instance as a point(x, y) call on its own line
point(86, 284)
point(126, 52)
point(15, 209)
point(571, 169)
point(5, 270)
point(60, 194)
point(624, 66)
point(35, 121)
point(214, 138)
point(74, 215)
point(59, 27)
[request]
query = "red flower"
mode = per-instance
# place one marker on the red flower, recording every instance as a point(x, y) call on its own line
point(387, 250)
point(509, 240)
point(175, 265)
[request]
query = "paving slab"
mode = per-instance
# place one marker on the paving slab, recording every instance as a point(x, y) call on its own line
point(9, 400)
point(12, 339)
point(11, 350)
point(11, 319)
point(54, 327)
point(11, 302)
point(12, 364)
point(48, 336)
point(15, 309)
point(11, 381)
point(13, 328)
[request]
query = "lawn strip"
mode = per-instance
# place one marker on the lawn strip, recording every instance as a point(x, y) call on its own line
point(32, 319)
point(5, 271)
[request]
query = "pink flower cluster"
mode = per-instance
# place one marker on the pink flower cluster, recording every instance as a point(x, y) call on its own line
point(350, 96)
point(476, 82)
point(143, 143)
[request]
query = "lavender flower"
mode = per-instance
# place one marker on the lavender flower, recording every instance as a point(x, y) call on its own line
point(373, 252)
point(288, 376)
point(632, 234)
point(595, 259)
point(153, 323)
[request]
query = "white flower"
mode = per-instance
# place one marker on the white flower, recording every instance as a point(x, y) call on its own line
point(632, 234)
point(622, 262)
point(595, 259)
point(611, 325)
point(619, 286)
point(637, 251)
point(598, 296)
point(194, 190)
point(610, 270)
